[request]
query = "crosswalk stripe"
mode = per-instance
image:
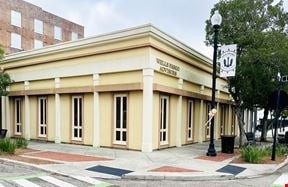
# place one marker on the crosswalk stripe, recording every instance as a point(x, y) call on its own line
point(281, 181)
point(90, 180)
point(56, 182)
point(1, 185)
point(25, 183)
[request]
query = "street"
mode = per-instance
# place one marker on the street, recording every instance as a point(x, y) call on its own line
point(263, 181)
point(13, 174)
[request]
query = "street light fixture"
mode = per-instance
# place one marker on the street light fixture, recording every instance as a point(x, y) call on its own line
point(216, 20)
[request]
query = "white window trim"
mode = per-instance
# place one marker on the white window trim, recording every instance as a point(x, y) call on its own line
point(20, 116)
point(78, 113)
point(36, 44)
point(45, 117)
point(190, 118)
point(162, 130)
point(121, 129)
point(74, 36)
point(38, 26)
point(17, 37)
point(57, 36)
point(16, 18)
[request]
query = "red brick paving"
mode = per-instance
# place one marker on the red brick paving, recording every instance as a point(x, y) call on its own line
point(172, 169)
point(219, 157)
point(67, 156)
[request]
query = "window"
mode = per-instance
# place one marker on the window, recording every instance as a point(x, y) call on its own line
point(15, 18)
point(77, 116)
point(18, 116)
point(57, 33)
point(222, 118)
point(233, 120)
point(15, 40)
point(120, 119)
point(74, 36)
point(190, 117)
point(42, 116)
point(38, 26)
point(207, 128)
point(38, 44)
point(164, 114)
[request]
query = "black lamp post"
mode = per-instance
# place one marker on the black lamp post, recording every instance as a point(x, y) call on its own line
point(216, 21)
point(277, 116)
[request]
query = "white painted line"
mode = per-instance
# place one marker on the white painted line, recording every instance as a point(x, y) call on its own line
point(25, 183)
point(56, 182)
point(87, 179)
point(282, 180)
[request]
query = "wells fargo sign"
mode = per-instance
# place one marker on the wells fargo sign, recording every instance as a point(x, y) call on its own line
point(168, 68)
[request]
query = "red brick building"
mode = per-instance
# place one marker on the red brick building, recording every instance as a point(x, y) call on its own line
point(24, 26)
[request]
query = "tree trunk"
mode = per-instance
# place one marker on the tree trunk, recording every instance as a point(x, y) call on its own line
point(264, 127)
point(241, 124)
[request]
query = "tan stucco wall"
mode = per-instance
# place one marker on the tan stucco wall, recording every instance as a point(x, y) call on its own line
point(106, 119)
point(41, 84)
point(77, 80)
point(33, 117)
point(135, 120)
point(88, 119)
point(156, 121)
point(51, 118)
point(121, 77)
point(66, 131)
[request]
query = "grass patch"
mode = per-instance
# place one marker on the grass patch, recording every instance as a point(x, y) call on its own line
point(9, 145)
point(254, 154)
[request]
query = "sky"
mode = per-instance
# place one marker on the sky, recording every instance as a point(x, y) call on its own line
point(182, 19)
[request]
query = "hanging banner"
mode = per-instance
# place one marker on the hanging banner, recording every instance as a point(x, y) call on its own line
point(228, 60)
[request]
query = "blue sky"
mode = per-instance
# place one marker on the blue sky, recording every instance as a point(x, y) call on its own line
point(182, 19)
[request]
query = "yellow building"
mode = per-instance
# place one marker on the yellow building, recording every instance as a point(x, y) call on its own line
point(137, 89)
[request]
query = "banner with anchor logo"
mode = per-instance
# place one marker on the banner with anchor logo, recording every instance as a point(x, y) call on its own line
point(228, 60)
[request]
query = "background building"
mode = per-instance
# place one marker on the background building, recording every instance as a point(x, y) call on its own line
point(24, 26)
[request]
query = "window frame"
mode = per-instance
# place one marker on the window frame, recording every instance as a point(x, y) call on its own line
point(40, 110)
point(79, 116)
point(36, 44)
point(16, 40)
point(190, 119)
point(123, 115)
point(73, 35)
point(57, 33)
point(38, 26)
point(16, 18)
point(164, 129)
point(18, 121)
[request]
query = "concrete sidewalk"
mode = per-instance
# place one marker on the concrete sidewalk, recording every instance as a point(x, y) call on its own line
point(183, 163)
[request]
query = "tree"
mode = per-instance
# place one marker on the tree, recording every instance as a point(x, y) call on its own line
point(259, 28)
point(5, 79)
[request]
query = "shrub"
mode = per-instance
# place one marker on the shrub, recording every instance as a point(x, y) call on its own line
point(281, 150)
point(21, 142)
point(252, 154)
point(7, 145)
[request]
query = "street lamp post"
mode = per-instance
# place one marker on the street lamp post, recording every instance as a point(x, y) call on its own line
point(216, 21)
point(277, 116)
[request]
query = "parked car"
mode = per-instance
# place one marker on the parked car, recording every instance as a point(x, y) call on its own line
point(282, 137)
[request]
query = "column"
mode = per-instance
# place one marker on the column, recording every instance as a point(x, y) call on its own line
point(57, 113)
point(179, 116)
point(200, 130)
point(3, 114)
point(7, 123)
point(96, 132)
point(27, 113)
point(147, 113)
